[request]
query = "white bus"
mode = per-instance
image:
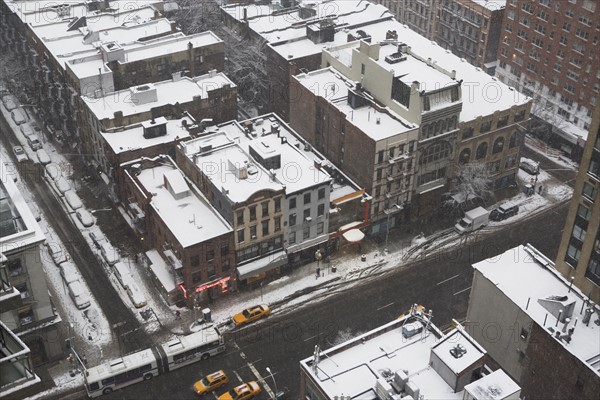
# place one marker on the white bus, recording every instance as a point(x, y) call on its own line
point(145, 364)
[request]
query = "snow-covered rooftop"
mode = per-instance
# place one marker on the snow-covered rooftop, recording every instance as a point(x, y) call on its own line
point(18, 227)
point(229, 167)
point(132, 137)
point(173, 44)
point(491, 5)
point(495, 386)
point(181, 90)
point(513, 271)
point(190, 218)
point(352, 368)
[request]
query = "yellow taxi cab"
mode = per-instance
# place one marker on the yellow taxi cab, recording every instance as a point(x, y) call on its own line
point(210, 382)
point(242, 392)
point(251, 314)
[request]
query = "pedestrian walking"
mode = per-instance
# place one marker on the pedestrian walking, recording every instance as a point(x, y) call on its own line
point(540, 189)
point(177, 315)
point(318, 273)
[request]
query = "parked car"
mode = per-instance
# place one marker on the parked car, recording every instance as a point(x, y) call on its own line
point(10, 102)
point(34, 142)
point(73, 200)
point(210, 382)
point(57, 253)
point(20, 154)
point(529, 166)
point(26, 130)
point(503, 212)
point(77, 293)
point(43, 157)
point(95, 239)
point(109, 254)
point(251, 314)
point(69, 272)
point(53, 171)
point(35, 128)
point(85, 217)
point(135, 294)
point(122, 274)
point(242, 392)
point(19, 116)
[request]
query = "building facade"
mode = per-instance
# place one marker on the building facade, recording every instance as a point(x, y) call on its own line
point(579, 251)
point(548, 52)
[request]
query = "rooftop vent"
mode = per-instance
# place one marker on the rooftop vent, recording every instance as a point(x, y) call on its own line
point(458, 351)
point(561, 307)
point(395, 58)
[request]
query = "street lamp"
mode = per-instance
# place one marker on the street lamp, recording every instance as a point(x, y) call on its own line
point(318, 256)
point(274, 383)
point(101, 209)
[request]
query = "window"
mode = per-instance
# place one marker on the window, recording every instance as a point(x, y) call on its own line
point(265, 228)
point(210, 271)
point(578, 233)
point(438, 151)
point(320, 210)
point(321, 194)
point(224, 251)
point(253, 232)
point(292, 203)
point(196, 277)
point(210, 254)
point(485, 127)
point(306, 214)
point(465, 156)
point(573, 253)
point(252, 213)
point(320, 228)
point(225, 265)
point(22, 288)
point(240, 236)
point(292, 219)
point(589, 191)
point(498, 145)
point(277, 224)
point(510, 162)
point(240, 217)
point(14, 267)
point(195, 260)
point(584, 212)
point(277, 204)
point(292, 238)
point(306, 198)
point(481, 151)
point(594, 168)
point(306, 232)
point(265, 209)
point(467, 133)
point(502, 122)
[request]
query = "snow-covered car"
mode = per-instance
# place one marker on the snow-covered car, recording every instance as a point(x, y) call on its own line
point(95, 239)
point(122, 274)
point(85, 217)
point(109, 254)
point(135, 295)
point(20, 154)
point(73, 200)
point(56, 252)
point(19, 116)
point(69, 272)
point(10, 102)
point(27, 130)
point(529, 166)
point(35, 128)
point(78, 294)
point(43, 157)
point(34, 142)
point(62, 186)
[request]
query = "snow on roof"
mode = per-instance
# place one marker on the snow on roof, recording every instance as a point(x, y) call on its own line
point(161, 270)
point(352, 368)
point(274, 25)
point(230, 169)
point(19, 228)
point(191, 219)
point(182, 90)
point(132, 137)
point(495, 386)
point(491, 5)
point(513, 271)
point(464, 346)
point(171, 45)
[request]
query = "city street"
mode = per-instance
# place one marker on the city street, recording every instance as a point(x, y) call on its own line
point(440, 282)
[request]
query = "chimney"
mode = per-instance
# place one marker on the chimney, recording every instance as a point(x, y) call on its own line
point(453, 74)
point(245, 14)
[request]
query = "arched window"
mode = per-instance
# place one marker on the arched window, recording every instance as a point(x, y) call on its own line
point(465, 156)
point(498, 145)
point(453, 122)
point(438, 127)
point(435, 152)
point(425, 129)
point(481, 151)
point(513, 140)
point(430, 132)
point(443, 126)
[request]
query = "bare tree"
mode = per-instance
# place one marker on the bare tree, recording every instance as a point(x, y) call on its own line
point(545, 117)
point(195, 16)
point(18, 77)
point(472, 182)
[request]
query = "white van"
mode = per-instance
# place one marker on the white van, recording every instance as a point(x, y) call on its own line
point(80, 298)
point(34, 142)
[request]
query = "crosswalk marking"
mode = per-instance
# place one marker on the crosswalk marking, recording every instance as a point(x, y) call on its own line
point(261, 379)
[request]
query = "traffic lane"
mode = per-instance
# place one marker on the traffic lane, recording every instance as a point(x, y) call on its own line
point(565, 175)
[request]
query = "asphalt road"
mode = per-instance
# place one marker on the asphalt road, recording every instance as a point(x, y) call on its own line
point(89, 266)
point(566, 175)
point(439, 281)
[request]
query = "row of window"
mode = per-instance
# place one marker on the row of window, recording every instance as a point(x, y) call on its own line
point(392, 151)
point(486, 126)
point(259, 249)
point(252, 210)
point(482, 149)
point(241, 234)
point(307, 197)
point(306, 233)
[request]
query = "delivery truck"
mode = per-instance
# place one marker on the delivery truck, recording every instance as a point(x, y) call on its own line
point(473, 219)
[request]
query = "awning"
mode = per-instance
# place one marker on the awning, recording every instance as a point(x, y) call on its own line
point(353, 235)
point(307, 244)
point(264, 264)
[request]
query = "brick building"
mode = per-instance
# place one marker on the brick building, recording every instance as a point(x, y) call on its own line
point(548, 52)
point(194, 241)
point(545, 336)
point(579, 251)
